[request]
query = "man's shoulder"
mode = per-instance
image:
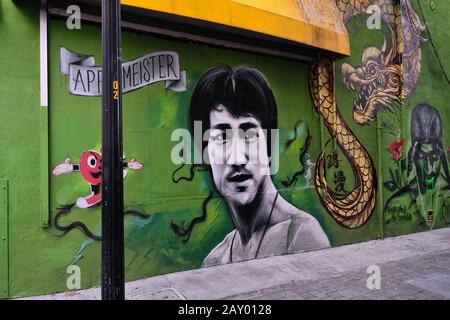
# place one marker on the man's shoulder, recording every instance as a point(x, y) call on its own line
point(220, 254)
point(305, 233)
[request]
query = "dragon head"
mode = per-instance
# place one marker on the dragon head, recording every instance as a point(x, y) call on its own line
point(378, 79)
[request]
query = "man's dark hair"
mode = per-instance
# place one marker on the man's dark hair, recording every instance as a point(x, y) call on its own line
point(244, 91)
point(426, 128)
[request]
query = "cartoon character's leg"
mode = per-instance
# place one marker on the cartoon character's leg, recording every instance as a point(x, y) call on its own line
point(94, 198)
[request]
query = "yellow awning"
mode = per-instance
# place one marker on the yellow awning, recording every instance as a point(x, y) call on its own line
point(315, 23)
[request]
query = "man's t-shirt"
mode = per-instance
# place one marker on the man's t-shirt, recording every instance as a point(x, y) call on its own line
point(300, 233)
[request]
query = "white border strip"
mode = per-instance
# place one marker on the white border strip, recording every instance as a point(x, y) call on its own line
point(43, 52)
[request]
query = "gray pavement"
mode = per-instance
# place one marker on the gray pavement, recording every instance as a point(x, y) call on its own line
point(414, 266)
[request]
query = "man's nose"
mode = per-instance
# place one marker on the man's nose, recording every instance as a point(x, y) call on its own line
point(236, 153)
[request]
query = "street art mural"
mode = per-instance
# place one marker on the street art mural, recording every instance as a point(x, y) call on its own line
point(237, 105)
point(347, 163)
point(90, 168)
point(422, 196)
point(363, 145)
point(85, 80)
point(387, 74)
point(354, 208)
point(293, 152)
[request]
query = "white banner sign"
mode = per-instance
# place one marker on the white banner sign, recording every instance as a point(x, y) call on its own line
point(85, 79)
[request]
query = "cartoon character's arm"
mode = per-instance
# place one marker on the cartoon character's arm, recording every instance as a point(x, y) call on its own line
point(65, 168)
point(133, 165)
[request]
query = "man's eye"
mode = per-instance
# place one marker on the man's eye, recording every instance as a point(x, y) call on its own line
point(220, 137)
point(250, 135)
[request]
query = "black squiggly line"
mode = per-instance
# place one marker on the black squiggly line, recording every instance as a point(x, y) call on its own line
point(192, 170)
point(182, 231)
point(137, 214)
point(64, 210)
point(290, 181)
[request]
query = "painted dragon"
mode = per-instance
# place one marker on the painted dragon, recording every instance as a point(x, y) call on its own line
point(385, 77)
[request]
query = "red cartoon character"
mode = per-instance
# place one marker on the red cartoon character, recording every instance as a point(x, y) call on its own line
point(90, 168)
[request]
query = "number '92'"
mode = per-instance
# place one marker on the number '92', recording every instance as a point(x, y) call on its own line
point(246, 309)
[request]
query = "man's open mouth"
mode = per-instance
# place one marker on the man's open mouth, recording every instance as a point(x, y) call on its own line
point(240, 177)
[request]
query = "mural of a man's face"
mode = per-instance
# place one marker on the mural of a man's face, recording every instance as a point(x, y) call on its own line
point(237, 154)
point(428, 165)
point(427, 152)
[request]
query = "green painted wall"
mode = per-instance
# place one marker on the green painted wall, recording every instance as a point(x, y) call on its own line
point(37, 258)
point(19, 159)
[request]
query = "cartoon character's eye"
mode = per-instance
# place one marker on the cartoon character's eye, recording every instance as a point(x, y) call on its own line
point(92, 161)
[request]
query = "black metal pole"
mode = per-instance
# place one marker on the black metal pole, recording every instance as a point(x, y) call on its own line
point(113, 274)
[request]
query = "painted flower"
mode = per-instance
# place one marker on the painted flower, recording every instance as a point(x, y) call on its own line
point(396, 149)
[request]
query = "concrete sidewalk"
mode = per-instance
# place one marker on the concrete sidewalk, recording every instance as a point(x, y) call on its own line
point(414, 266)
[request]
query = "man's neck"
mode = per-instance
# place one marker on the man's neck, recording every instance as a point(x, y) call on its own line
point(253, 217)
